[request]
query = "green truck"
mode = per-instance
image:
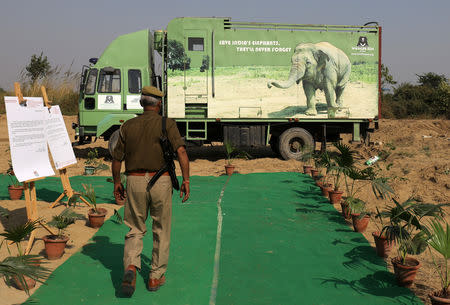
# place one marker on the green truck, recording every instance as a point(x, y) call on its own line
point(252, 84)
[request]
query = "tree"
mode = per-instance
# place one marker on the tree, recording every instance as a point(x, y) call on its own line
point(39, 67)
point(386, 77)
point(431, 79)
point(176, 56)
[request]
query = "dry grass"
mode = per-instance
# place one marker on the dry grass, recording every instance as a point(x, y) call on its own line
point(61, 86)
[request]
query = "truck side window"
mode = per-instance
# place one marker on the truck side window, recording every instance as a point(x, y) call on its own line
point(134, 81)
point(91, 81)
point(196, 44)
point(109, 82)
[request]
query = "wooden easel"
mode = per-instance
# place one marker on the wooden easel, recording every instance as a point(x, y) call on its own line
point(68, 191)
point(30, 190)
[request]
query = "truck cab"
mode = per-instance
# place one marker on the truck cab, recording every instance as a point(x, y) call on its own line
point(111, 86)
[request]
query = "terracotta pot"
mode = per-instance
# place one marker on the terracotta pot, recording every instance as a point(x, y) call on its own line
point(119, 201)
point(96, 220)
point(335, 196)
point(326, 188)
point(54, 247)
point(229, 169)
point(89, 170)
point(319, 183)
point(382, 244)
point(314, 173)
point(345, 210)
point(307, 169)
point(438, 299)
point(405, 274)
point(28, 280)
point(15, 192)
point(360, 224)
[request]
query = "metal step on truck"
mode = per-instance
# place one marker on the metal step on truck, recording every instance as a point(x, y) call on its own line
point(252, 84)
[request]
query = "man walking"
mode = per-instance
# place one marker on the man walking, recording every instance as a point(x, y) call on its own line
point(139, 146)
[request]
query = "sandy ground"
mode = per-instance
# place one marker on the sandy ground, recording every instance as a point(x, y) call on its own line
point(417, 149)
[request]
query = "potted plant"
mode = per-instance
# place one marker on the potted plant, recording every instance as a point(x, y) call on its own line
point(341, 162)
point(229, 167)
point(93, 164)
point(23, 270)
point(383, 244)
point(55, 244)
point(323, 161)
point(406, 229)
point(123, 180)
point(439, 239)
point(96, 215)
point(15, 188)
point(306, 158)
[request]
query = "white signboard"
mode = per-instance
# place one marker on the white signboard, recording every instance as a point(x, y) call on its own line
point(27, 140)
point(133, 102)
point(58, 139)
point(109, 101)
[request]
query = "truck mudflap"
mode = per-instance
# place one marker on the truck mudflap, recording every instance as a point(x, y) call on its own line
point(112, 120)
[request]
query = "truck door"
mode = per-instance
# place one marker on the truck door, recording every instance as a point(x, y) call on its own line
point(196, 78)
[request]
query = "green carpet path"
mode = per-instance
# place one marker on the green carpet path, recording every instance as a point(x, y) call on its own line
point(280, 242)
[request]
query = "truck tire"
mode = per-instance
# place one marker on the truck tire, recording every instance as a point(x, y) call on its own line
point(113, 141)
point(292, 141)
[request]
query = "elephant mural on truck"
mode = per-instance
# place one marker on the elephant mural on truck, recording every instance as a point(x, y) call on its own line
point(319, 66)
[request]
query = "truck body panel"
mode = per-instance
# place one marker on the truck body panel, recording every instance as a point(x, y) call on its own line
point(247, 83)
point(240, 61)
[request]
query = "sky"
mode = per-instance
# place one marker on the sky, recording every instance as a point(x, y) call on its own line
point(416, 37)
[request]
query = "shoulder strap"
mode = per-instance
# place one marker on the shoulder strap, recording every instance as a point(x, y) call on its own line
point(164, 131)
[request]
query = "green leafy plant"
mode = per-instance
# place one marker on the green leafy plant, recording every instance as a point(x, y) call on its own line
point(13, 179)
point(229, 149)
point(322, 161)
point(94, 161)
point(341, 162)
point(405, 225)
point(439, 239)
point(89, 194)
point(307, 155)
point(22, 265)
point(63, 220)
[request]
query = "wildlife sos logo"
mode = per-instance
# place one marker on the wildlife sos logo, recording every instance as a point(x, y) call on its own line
point(109, 101)
point(362, 47)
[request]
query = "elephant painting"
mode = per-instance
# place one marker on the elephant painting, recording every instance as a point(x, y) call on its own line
point(319, 66)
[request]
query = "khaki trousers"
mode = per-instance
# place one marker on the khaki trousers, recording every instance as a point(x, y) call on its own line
point(139, 202)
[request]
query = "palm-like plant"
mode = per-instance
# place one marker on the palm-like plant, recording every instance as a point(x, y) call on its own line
point(405, 225)
point(89, 194)
point(341, 162)
point(439, 239)
point(63, 220)
point(22, 265)
point(229, 148)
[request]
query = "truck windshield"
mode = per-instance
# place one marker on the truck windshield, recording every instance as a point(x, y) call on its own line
point(91, 81)
point(109, 82)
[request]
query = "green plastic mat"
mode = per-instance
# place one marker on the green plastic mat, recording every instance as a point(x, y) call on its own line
point(250, 239)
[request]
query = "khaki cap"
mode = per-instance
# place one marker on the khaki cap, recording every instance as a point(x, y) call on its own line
point(152, 91)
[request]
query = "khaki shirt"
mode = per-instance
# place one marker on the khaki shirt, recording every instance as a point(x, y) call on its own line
point(139, 144)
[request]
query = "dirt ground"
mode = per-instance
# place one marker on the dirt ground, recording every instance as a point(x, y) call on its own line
point(416, 159)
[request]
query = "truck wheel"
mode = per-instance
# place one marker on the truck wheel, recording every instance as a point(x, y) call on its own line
point(113, 141)
point(292, 141)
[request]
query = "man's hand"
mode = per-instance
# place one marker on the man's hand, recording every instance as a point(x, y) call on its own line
point(185, 189)
point(119, 191)
point(184, 165)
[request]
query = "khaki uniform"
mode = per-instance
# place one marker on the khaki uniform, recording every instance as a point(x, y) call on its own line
point(139, 146)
